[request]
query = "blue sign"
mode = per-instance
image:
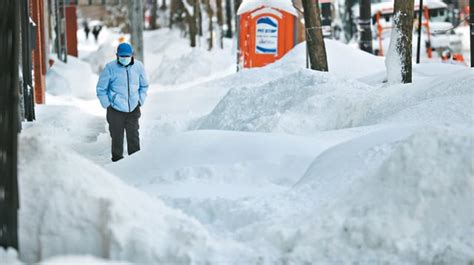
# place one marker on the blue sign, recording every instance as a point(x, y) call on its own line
point(266, 38)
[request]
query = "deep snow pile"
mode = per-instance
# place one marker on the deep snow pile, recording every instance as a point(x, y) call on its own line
point(85, 210)
point(415, 208)
point(301, 102)
point(344, 61)
point(74, 79)
point(9, 256)
point(172, 61)
point(393, 184)
point(305, 102)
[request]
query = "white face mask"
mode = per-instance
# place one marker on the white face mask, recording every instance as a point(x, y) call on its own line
point(125, 60)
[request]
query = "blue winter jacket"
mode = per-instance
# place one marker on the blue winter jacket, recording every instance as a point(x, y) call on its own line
point(122, 87)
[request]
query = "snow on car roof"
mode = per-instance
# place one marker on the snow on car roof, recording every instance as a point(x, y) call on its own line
point(387, 7)
point(284, 5)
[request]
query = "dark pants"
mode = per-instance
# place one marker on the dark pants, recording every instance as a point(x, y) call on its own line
point(120, 122)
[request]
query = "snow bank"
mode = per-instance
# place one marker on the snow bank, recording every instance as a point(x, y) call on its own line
point(80, 260)
point(170, 60)
point(74, 79)
point(344, 61)
point(305, 101)
point(9, 256)
point(72, 206)
point(415, 208)
point(446, 99)
point(192, 66)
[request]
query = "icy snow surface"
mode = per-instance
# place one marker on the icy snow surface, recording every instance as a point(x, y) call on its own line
point(277, 165)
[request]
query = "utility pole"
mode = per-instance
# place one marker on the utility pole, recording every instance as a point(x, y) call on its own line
point(418, 45)
point(136, 27)
point(9, 121)
point(365, 31)
point(471, 22)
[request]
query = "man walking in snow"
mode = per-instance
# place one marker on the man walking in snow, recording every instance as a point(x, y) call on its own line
point(122, 89)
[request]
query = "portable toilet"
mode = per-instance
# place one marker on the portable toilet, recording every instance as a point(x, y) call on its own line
point(267, 31)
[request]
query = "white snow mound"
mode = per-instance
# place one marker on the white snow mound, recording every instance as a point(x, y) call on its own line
point(70, 206)
point(74, 78)
point(171, 60)
point(419, 209)
point(302, 102)
point(344, 61)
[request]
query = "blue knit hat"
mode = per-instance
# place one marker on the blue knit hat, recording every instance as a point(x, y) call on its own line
point(124, 49)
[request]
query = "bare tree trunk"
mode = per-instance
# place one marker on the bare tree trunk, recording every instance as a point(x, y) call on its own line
point(220, 22)
point(154, 10)
point(237, 5)
point(163, 5)
point(365, 35)
point(210, 13)
point(199, 17)
point(173, 8)
point(228, 18)
point(136, 22)
point(191, 19)
point(314, 36)
point(399, 56)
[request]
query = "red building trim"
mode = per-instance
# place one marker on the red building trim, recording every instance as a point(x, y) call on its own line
point(39, 56)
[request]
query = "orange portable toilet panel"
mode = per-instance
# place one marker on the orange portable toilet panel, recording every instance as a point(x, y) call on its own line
point(266, 32)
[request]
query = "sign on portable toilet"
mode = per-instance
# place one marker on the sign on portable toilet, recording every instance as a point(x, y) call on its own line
point(267, 31)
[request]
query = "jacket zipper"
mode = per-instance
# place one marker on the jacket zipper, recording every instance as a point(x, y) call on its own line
point(128, 84)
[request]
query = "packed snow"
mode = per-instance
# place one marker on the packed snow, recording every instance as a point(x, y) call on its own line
point(251, 5)
point(276, 165)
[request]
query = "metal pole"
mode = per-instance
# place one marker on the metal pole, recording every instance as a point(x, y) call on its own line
point(136, 27)
point(28, 38)
point(9, 122)
point(365, 38)
point(418, 45)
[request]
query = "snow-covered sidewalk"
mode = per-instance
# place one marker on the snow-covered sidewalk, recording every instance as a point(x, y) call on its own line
point(273, 165)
